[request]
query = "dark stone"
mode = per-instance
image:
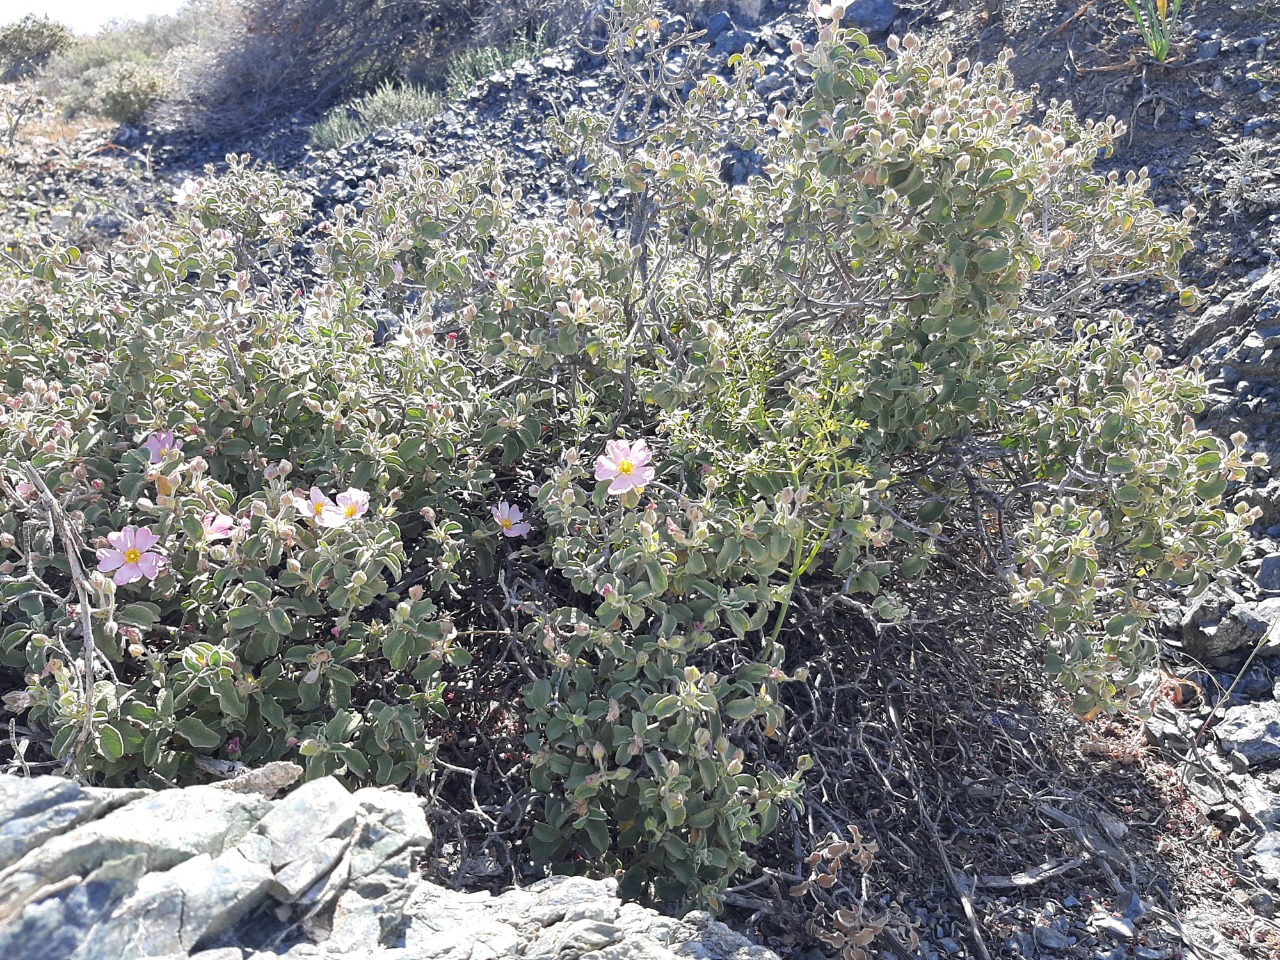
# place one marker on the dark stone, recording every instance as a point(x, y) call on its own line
point(732, 41)
point(874, 16)
point(717, 24)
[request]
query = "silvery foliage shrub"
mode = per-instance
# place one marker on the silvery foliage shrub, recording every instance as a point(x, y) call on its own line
point(27, 44)
point(127, 91)
point(865, 356)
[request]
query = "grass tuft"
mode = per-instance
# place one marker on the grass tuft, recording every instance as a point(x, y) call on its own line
point(386, 106)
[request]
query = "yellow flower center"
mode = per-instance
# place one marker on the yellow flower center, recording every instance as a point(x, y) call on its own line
point(351, 510)
point(317, 508)
point(507, 523)
point(132, 555)
point(625, 467)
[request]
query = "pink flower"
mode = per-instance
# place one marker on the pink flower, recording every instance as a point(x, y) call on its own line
point(510, 519)
point(159, 445)
point(217, 526)
point(352, 505)
point(397, 271)
point(626, 464)
point(129, 555)
point(25, 490)
point(316, 506)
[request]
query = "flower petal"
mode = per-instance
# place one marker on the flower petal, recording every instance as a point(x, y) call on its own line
point(144, 539)
point(127, 574)
point(151, 564)
point(109, 560)
point(332, 517)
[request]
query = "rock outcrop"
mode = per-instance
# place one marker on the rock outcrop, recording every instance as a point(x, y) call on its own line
point(228, 874)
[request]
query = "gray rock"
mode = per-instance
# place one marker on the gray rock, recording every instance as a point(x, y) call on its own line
point(174, 911)
point(164, 828)
point(732, 41)
point(313, 812)
point(1269, 573)
point(300, 875)
point(1251, 730)
point(1221, 622)
point(1050, 939)
point(62, 920)
point(1119, 927)
point(36, 810)
point(1264, 905)
point(572, 939)
point(324, 874)
point(394, 821)
point(717, 24)
point(372, 909)
point(874, 16)
point(557, 900)
point(1234, 312)
point(268, 780)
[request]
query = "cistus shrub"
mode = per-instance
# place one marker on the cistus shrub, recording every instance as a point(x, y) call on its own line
point(638, 457)
point(25, 46)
